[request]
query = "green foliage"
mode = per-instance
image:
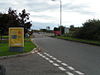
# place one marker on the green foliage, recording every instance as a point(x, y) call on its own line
point(12, 19)
point(79, 40)
point(4, 48)
point(60, 28)
point(90, 30)
point(56, 29)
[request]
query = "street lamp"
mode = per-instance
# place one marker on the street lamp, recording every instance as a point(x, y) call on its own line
point(60, 13)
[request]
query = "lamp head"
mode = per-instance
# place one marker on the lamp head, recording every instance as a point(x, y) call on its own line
point(53, 0)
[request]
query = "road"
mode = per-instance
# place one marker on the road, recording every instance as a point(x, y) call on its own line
point(58, 57)
point(82, 57)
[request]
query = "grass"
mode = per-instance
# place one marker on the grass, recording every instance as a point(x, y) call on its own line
point(4, 48)
point(4, 37)
point(79, 40)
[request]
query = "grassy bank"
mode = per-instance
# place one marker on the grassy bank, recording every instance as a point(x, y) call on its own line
point(4, 48)
point(79, 40)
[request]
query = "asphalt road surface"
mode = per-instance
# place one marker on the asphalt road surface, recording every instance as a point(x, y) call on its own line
point(81, 58)
point(58, 57)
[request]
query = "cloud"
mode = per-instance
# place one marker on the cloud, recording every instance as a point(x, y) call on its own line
point(79, 8)
point(40, 25)
point(47, 12)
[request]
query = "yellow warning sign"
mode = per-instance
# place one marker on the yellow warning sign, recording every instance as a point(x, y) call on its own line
point(16, 37)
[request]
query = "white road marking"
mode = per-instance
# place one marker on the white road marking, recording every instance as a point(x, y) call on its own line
point(47, 58)
point(38, 53)
point(50, 61)
point(59, 61)
point(64, 64)
point(61, 68)
point(54, 58)
point(69, 73)
point(80, 73)
point(33, 52)
point(45, 53)
point(55, 64)
point(50, 56)
point(43, 56)
point(71, 68)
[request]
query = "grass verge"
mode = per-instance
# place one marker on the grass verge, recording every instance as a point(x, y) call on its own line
point(4, 48)
point(79, 40)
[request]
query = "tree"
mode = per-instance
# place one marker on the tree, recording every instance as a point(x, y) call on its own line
point(56, 29)
point(90, 30)
point(24, 17)
point(62, 29)
point(72, 27)
point(12, 19)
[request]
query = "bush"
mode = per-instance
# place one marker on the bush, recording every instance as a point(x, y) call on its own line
point(90, 30)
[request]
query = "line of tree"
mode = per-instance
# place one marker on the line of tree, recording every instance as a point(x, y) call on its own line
point(60, 28)
point(90, 30)
point(14, 19)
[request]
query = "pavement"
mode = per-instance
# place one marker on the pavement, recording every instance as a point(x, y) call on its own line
point(58, 57)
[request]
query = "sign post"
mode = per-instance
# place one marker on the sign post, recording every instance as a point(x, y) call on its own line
point(16, 39)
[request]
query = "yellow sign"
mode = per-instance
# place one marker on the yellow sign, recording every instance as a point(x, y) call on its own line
point(16, 37)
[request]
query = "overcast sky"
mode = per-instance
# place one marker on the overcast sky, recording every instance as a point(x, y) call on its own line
point(46, 12)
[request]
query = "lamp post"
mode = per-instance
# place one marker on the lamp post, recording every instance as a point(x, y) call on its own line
point(60, 13)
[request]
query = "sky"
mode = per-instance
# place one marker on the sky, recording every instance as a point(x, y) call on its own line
point(45, 13)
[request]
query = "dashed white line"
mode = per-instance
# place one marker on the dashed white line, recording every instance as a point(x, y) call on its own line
point(50, 61)
point(50, 56)
point(64, 64)
point(80, 73)
point(54, 58)
point(47, 58)
point(71, 68)
point(69, 73)
point(38, 53)
point(61, 68)
point(33, 52)
point(45, 53)
point(59, 61)
point(55, 64)
point(43, 56)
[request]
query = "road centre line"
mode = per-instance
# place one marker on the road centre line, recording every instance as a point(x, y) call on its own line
point(80, 73)
point(51, 56)
point(59, 61)
point(51, 61)
point(69, 73)
point(59, 66)
point(54, 58)
point(64, 64)
point(71, 68)
point(48, 55)
point(55, 64)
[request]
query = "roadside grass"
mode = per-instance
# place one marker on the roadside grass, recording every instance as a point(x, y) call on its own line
point(4, 48)
point(5, 37)
point(79, 40)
